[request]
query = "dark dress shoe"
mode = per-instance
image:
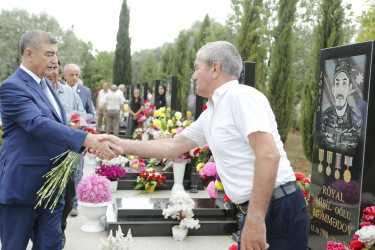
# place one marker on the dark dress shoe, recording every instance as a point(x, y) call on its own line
point(63, 241)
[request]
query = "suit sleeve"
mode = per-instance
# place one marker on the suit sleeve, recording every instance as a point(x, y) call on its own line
point(29, 113)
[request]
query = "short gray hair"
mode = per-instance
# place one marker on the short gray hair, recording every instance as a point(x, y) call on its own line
point(68, 65)
point(225, 54)
point(113, 87)
point(34, 38)
point(121, 86)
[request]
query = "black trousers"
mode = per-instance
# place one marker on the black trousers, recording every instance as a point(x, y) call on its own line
point(70, 192)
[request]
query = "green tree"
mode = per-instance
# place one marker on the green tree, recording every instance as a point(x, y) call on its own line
point(203, 33)
point(328, 33)
point(250, 41)
point(282, 85)
point(367, 24)
point(122, 72)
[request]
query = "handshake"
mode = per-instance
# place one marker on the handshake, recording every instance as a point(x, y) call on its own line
point(104, 146)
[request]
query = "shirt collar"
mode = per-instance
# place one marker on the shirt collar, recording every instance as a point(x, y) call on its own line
point(220, 91)
point(75, 87)
point(35, 77)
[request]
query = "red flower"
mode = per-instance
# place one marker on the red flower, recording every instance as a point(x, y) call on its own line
point(369, 214)
point(305, 180)
point(233, 247)
point(75, 118)
point(204, 108)
point(305, 193)
point(299, 175)
point(150, 178)
point(356, 244)
point(226, 198)
point(159, 181)
point(147, 100)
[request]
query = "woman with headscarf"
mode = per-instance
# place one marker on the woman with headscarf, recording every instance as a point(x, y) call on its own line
point(160, 99)
point(136, 106)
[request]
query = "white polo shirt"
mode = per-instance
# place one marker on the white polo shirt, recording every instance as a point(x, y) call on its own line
point(238, 111)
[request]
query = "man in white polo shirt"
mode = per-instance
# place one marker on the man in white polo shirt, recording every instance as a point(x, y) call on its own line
point(240, 128)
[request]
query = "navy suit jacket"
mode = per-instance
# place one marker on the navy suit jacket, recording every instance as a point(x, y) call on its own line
point(85, 94)
point(33, 134)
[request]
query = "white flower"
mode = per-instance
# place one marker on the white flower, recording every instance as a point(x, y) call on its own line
point(366, 235)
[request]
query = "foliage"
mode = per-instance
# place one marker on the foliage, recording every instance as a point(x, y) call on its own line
point(250, 39)
point(122, 71)
point(367, 24)
point(282, 85)
point(328, 33)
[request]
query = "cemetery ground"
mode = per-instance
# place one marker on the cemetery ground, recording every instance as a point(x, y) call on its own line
point(294, 151)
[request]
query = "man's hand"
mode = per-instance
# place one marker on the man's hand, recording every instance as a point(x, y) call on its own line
point(104, 149)
point(253, 235)
point(113, 140)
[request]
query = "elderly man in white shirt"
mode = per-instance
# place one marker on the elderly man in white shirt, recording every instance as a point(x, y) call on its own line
point(112, 107)
point(240, 128)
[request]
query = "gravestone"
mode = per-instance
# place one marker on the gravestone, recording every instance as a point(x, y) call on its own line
point(155, 94)
point(144, 90)
point(343, 164)
point(127, 94)
point(248, 74)
point(171, 95)
point(194, 102)
point(132, 87)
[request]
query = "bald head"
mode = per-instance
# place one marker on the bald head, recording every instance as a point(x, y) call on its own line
point(71, 74)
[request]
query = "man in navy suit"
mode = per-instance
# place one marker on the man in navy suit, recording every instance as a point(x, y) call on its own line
point(71, 75)
point(34, 132)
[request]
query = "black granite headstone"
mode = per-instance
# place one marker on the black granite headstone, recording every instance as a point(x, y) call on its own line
point(343, 165)
point(144, 90)
point(155, 93)
point(171, 95)
point(127, 94)
point(247, 74)
point(194, 102)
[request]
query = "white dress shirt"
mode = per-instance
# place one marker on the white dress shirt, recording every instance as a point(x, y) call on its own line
point(238, 111)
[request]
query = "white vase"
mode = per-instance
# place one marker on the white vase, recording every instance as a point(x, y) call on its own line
point(178, 233)
point(145, 137)
point(114, 185)
point(92, 159)
point(178, 176)
point(93, 212)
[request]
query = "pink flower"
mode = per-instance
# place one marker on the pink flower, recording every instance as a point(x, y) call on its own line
point(335, 246)
point(211, 190)
point(179, 130)
point(202, 173)
point(94, 189)
point(369, 214)
point(210, 168)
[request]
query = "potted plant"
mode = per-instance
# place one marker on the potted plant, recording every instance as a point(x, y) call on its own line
point(113, 173)
point(93, 195)
point(182, 210)
point(149, 179)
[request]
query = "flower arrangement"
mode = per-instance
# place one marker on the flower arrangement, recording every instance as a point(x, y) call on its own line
point(335, 246)
point(76, 118)
point(149, 179)
point(137, 163)
point(182, 210)
point(304, 184)
point(118, 161)
point(94, 189)
point(111, 172)
point(154, 162)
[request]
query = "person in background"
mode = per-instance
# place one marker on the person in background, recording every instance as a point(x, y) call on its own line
point(71, 102)
point(121, 92)
point(35, 130)
point(111, 109)
point(161, 101)
point(249, 155)
point(149, 95)
point(99, 105)
point(136, 106)
point(71, 74)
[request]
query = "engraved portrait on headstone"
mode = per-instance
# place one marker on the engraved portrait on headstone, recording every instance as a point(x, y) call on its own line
point(342, 120)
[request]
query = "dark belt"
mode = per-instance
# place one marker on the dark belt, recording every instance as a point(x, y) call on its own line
point(279, 192)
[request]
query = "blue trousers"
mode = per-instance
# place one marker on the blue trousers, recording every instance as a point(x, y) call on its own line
point(287, 223)
point(78, 176)
point(19, 223)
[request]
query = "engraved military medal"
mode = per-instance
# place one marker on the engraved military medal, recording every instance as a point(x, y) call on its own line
point(329, 161)
point(321, 158)
point(348, 162)
point(338, 166)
